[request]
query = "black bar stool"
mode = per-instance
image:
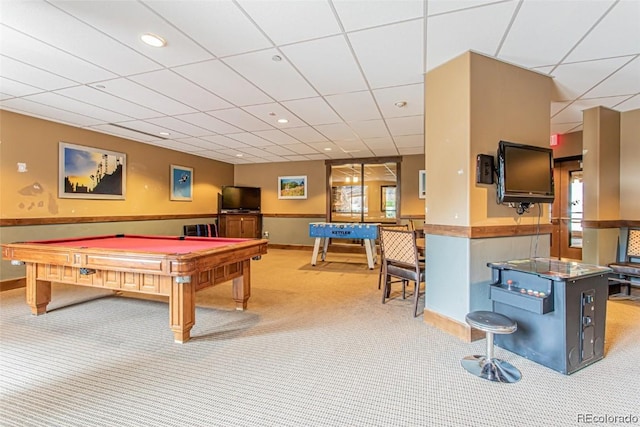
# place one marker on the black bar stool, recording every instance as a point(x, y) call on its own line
point(489, 367)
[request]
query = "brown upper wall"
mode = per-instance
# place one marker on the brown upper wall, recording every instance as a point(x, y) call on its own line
point(34, 193)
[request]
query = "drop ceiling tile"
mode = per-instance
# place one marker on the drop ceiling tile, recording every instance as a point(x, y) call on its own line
point(133, 19)
point(406, 125)
point(270, 113)
point(11, 88)
point(573, 80)
point(171, 124)
point(370, 128)
point(410, 151)
point(200, 144)
point(405, 141)
point(385, 151)
point(209, 123)
point(480, 29)
point(314, 111)
point(26, 74)
point(356, 15)
point(278, 150)
point(138, 94)
point(276, 136)
point(316, 156)
point(149, 128)
point(219, 26)
point(562, 128)
point(221, 80)
point(28, 50)
point(302, 149)
point(631, 103)
point(249, 139)
point(276, 78)
point(105, 100)
point(413, 95)
point(625, 81)
point(533, 39)
point(574, 114)
point(398, 55)
point(305, 134)
point(290, 21)
point(354, 106)
point(322, 61)
point(437, 7)
point(69, 104)
point(337, 132)
point(298, 158)
point(36, 109)
point(124, 133)
point(43, 21)
point(617, 34)
point(241, 119)
point(385, 142)
point(224, 141)
point(254, 151)
point(180, 89)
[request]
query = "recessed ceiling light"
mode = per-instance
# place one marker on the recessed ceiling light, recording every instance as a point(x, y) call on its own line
point(165, 133)
point(100, 86)
point(276, 58)
point(401, 104)
point(239, 155)
point(327, 149)
point(283, 121)
point(153, 40)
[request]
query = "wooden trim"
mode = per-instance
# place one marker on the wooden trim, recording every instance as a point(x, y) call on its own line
point(8, 222)
point(610, 223)
point(279, 215)
point(459, 330)
point(485, 232)
point(7, 285)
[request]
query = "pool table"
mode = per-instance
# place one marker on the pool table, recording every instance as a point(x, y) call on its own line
point(171, 266)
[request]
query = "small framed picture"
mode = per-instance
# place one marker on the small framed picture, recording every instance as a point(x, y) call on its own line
point(422, 184)
point(292, 187)
point(181, 183)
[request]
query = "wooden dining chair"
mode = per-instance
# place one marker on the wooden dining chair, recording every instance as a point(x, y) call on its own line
point(402, 263)
point(388, 227)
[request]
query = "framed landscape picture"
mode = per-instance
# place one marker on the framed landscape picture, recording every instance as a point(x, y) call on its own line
point(292, 187)
point(181, 183)
point(91, 173)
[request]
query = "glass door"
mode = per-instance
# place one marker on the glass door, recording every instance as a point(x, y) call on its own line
point(567, 210)
point(364, 192)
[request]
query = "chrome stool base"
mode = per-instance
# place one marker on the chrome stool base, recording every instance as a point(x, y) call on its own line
point(496, 370)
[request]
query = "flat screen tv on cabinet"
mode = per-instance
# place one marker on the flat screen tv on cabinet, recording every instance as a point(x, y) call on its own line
point(240, 199)
point(525, 173)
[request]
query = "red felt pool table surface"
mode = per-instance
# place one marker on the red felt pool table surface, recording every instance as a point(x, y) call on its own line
point(154, 244)
point(172, 266)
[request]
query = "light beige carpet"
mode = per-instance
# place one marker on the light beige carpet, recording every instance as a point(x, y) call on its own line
point(315, 348)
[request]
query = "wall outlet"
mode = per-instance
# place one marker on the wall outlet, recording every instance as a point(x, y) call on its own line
point(265, 234)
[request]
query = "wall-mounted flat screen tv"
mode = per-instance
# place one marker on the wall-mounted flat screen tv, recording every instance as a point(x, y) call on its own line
point(240, 199)
point(525, 173)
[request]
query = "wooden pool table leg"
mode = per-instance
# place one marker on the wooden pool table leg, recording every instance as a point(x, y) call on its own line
point(38, 291)
point(182, 310)
point(242, 286)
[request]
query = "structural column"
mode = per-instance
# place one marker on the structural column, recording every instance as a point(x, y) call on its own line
point(471, 103)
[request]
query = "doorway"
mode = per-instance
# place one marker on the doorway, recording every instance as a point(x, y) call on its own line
point(567, 210)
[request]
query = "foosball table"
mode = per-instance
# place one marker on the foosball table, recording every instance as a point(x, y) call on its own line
point(323, 231)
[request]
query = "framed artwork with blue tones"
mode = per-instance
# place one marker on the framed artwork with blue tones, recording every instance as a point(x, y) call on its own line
point(181, 183)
